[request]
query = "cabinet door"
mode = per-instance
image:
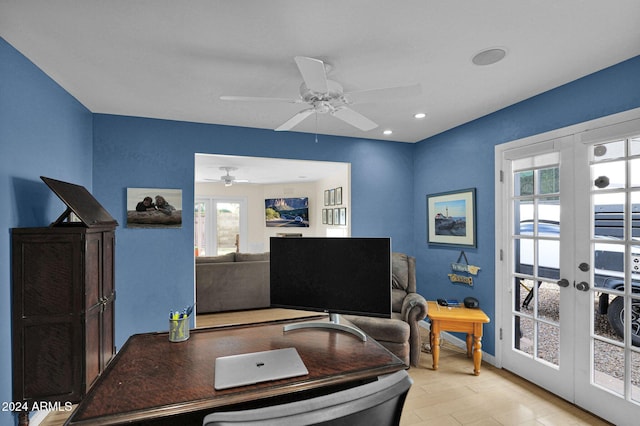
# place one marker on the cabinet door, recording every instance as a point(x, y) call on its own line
point(109, 296)
point(93, 306)
point(47, 336)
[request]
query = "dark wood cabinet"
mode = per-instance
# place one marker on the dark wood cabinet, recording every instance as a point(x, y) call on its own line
point(62, 310)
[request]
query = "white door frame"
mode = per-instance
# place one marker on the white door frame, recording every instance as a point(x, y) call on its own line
point(501, 218)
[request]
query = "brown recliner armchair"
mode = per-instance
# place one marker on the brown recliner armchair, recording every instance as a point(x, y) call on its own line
point(401, 333)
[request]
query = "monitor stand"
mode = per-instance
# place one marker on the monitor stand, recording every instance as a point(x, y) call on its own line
point(333, 324)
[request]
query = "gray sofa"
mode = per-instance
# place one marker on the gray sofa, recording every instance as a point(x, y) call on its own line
point(231, 282)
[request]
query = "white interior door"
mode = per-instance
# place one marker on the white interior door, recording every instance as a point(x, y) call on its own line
point(569, 229)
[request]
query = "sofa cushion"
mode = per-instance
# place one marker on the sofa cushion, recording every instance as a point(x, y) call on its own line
point(252, 257)
point(229, 257)
point(230, 286)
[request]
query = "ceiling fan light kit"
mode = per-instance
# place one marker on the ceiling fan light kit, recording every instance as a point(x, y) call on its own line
point(227, 179)
point(325, 96)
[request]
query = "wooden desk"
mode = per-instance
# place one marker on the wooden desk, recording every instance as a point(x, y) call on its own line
point(459, 319)
point(154, 381)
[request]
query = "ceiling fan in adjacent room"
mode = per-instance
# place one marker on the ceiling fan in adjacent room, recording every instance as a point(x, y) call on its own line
point(227, 179)
point(326, 96)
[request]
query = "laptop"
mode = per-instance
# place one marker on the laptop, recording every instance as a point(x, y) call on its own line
point(257, 367)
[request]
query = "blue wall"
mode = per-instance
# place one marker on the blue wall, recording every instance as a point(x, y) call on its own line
point(43, 132)
point(464, 158)
point(155, 268)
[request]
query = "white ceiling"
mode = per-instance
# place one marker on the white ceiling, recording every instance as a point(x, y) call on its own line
point(259, 170)
point(173, 59)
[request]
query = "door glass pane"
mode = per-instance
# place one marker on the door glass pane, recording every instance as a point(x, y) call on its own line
point(634, 146)
point(227, 227)
point(549, 180)
point(524, 334)
point(609, 264)
point(635, 322)
point(526, 293)
point(609, 175)
point(608, 366)
point(601, 324)
point(549, 259)
point(634, 167)
point(635, 212)
point(549, 342)
point(524, 183)
point(523, 220)
point(608, 216)
point(635, 376)
point(549, 217)
point(199, 229)
point(523, 254)
point(549, 304)
point(608, 151)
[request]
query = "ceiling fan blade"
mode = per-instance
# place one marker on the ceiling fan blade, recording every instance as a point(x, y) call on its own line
point(313, 73)
point(260, 99)
point(295, 120)
point(354, 118)
point(377, 95)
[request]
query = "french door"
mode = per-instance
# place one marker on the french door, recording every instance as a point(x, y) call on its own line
point(569, 233)
point(220, 226)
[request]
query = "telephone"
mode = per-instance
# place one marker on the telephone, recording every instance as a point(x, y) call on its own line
point(448, 302)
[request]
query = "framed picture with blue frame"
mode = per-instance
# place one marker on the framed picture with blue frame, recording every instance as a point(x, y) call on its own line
point(451, 218)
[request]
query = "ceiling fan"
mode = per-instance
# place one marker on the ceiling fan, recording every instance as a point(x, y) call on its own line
point(227, 178)
point(326, 96)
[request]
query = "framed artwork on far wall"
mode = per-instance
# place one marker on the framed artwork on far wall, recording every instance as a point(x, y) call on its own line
point(343, 216)
point(338, 196)
point(451, 218)
point(154, 208)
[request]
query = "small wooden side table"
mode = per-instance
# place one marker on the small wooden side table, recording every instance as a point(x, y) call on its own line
point(458, 319)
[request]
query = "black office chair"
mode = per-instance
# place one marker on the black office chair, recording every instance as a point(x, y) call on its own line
point(376, 403)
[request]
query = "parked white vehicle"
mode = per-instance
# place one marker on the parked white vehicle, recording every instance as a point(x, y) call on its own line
point(608, 256)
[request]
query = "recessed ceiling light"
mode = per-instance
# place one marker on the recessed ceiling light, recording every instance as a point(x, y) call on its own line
point(419, 115)
point(489, 56)
point(387, 132)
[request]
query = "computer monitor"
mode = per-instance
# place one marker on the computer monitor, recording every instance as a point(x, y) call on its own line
point(333, 275)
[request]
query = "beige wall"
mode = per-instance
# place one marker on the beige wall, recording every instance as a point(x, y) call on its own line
point(258, 234)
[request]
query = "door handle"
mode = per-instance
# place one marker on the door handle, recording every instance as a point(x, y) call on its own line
point(563, 282)
point(582, 286)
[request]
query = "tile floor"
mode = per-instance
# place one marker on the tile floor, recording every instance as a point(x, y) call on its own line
point(452, 395)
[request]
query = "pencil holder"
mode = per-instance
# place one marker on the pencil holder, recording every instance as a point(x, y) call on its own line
point(179, 329)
